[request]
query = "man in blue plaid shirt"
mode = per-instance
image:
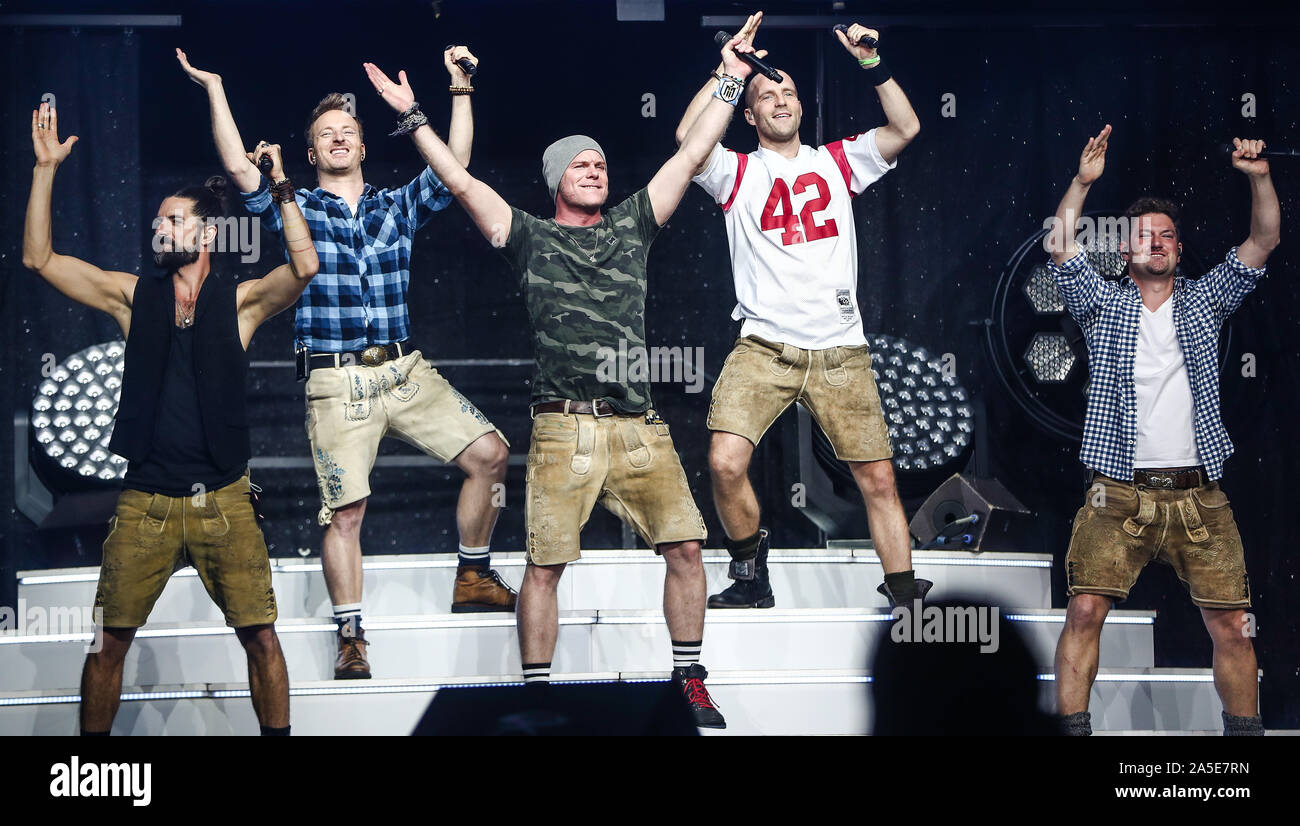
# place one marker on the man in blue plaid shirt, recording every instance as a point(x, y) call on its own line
point(366, 378)
point(1153, 436)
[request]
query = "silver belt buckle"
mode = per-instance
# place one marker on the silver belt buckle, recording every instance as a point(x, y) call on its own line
point(1163, 481)
point(374, 355)
point(595, 410)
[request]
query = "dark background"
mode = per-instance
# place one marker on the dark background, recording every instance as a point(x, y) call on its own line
point(1031, 86)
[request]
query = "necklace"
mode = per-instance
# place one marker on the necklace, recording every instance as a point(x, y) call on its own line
point(591, 256)
point(184, 318)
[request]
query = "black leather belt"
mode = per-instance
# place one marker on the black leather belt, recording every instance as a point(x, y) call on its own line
point(1171, 479)
point(600, 407)
point(372, 356)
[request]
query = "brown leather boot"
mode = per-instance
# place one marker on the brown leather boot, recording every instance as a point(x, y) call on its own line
point(481, 589)
point(352, 663)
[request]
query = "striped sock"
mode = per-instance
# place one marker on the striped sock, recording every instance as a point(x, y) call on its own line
point(348, 619)
point(686, 654)
point(475, 557)
point(537, 673)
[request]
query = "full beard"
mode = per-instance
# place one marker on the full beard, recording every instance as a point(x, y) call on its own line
point(171, 260)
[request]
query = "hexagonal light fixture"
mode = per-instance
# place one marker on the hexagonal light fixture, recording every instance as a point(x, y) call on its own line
point(1049, 357)
point(1040, 288)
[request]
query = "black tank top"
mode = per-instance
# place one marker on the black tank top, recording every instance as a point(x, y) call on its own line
point(179, 459)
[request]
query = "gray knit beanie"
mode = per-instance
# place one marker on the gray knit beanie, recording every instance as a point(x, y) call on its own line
point(560, 154)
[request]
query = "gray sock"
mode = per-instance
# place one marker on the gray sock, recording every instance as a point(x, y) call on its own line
point(1078, 724)
point(1234, 726)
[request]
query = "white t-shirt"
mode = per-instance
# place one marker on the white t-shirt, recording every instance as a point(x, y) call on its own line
point(1166, 437)
point(794, 252)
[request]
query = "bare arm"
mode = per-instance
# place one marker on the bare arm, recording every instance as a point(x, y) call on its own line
point(262, 298)
point(224, 131)
point(460, 135)
point(669, 183)
point(901, 123)
point(489, 211)
point(79, 280)
point(703, 96)
point(1092, 162)
point(1265, 211)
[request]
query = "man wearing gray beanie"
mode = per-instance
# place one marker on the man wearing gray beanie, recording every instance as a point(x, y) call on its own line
point(596, 436)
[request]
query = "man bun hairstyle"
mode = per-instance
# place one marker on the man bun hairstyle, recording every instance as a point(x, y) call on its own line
point(1147, 205)
point(211, 200)
point(329, 103)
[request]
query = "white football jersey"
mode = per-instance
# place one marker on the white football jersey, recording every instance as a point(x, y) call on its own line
point(794, 252)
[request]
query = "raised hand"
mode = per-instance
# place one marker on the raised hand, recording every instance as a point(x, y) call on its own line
point(449, 58)
point(204, 79)
point(733, 65)
point(1246, 157)
point(45, 137)
point(748, 31)
point(855, 33)
point(397, 95)
point(272, 150)
point(1093, 159)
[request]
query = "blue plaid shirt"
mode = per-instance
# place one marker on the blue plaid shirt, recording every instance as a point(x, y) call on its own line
point(359, 296)
point(1110, 313)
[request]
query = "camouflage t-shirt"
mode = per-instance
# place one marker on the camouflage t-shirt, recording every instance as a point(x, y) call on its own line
point(585, 290)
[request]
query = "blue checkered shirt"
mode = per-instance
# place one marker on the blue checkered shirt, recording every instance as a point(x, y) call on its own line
point(1110, 313)
point(359, 296)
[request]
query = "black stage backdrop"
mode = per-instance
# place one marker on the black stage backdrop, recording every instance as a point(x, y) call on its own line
point(1027, 89)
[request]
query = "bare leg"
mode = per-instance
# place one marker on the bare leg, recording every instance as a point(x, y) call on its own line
point(101, 680)
point(1077, 651)
point(538, 612)
point(733, 495)
point(484, 463)
point(341, 554)
point(684, 590)
point(1236, 673)
point(268, 678)
point(889, 532)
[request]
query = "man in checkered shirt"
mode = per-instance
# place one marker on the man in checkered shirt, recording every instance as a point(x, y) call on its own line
point(366, 379)
point(1153, 436)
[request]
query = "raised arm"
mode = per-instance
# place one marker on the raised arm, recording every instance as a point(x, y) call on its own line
point(901, 123)
point(703, 96)
point(669, 183)
point(1092, 162)
point(489, 211)
point(224, 131)
point(460, 134)
point(83, 282)
point(1265, 211)
point(262, 298)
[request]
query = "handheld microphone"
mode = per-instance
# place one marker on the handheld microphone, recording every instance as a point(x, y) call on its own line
point(723, 38)
point(466, 65)
point(265, 164)
point(866, 40)
point(1269, 152)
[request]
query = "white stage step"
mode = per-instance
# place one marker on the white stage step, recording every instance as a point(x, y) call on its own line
point(603, 579)
point(788, 702)
point(454, 645)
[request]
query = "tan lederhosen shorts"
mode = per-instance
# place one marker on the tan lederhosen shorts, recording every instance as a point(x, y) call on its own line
point(151, 534)
point(760, 379)
point(625, 463)
point(1122, 527)
point(351, 408)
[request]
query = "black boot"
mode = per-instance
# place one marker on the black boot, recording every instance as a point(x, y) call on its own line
point(920, 587)
point(752, 588)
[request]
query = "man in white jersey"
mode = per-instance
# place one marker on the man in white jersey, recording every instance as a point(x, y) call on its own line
point(1153, 437)
point(794, 257)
